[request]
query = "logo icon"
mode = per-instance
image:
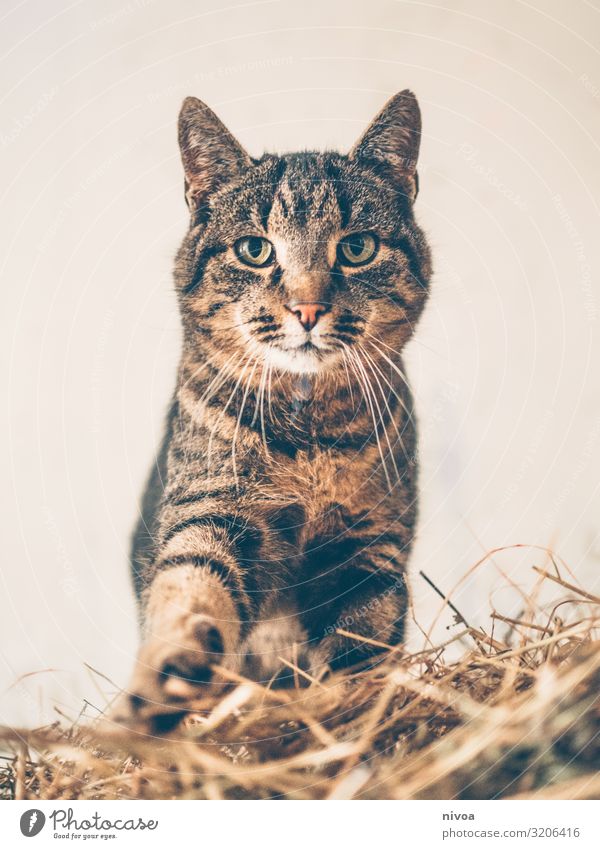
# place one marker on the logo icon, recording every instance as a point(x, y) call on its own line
point(32, 822)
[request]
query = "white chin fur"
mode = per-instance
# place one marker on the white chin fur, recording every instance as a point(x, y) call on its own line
point(298, 362)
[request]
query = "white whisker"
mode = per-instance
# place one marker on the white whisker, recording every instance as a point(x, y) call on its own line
point(375, 368)
point(345, 362)
point(398, 372)
point(239, 419)
point(367, 396)
point(380, 414)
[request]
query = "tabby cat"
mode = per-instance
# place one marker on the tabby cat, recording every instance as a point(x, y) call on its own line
point(281, 508)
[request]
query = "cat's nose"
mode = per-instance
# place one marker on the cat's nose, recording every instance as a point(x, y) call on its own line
point(307, 314)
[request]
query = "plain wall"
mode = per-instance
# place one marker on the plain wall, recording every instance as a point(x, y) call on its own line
point(505, 364)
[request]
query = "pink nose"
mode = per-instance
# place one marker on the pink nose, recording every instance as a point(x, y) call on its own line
point(307, 314)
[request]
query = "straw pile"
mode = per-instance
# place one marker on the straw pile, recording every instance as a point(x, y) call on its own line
point(517, 716)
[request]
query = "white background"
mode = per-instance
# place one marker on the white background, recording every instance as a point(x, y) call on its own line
point(506, 362)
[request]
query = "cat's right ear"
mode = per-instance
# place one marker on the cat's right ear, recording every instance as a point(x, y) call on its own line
point(211, 156)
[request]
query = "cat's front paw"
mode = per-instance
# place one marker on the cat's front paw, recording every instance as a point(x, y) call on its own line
point(278, 653)
point(171, 672)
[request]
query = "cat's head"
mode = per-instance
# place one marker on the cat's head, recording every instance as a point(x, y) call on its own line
point(296, 261)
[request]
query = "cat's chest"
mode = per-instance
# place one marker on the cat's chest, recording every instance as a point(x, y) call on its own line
point(318, 478)
point(324, 452)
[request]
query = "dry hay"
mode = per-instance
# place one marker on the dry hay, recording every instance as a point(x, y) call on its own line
point(518, 715)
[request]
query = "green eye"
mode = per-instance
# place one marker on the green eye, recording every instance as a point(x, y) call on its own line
point(254, 250)
point(357, 249)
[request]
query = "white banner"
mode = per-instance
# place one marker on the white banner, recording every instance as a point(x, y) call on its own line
point(277, 824)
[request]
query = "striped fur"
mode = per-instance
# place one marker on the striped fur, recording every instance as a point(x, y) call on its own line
point(282, 505)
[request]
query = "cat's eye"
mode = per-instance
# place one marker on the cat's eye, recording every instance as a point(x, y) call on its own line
point(357, 249)
point(254, 250)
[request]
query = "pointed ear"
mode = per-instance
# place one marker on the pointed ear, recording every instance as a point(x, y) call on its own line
point(211, 156)
point(390, 144)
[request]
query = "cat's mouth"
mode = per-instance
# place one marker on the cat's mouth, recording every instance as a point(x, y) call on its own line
point(307, 357)
point(290, 346)
point(309, 345)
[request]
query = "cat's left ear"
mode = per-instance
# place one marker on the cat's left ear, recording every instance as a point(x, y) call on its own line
point(390, 144)
point(211, 156)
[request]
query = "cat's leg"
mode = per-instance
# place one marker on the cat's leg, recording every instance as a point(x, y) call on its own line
point(191, 625)
point(195, 610)
point(365, 595)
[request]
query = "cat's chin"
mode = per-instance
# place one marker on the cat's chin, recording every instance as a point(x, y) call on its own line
point(301, 360)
